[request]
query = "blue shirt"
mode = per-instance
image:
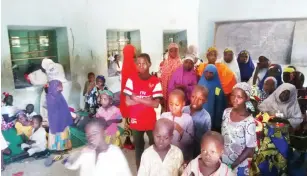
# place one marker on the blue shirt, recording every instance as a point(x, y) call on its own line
point(201, 121)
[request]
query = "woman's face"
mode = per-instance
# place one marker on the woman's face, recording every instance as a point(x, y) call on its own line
point(238, 98)
point(228, 56)
point(173, 53)
point(99, 82)
point(209, 75)
point(212, 56)
point(243, 58)
point(188, 65)
point(284, 96)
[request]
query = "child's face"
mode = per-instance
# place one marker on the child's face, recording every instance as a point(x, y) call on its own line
point(284, 96)
point(198, 98)
point(29, 109)
point(91, 78)
point(173, 52)
point(142, 65)
point(212, 56)
point(99, 82)
point(94, 135)
point(211, 151)
point(269, 86)
point(209, 75)
point(22, 119)
point(105, 100)
point(176, 103)
point(162, 138)
point(36, 124)
point(238, 98)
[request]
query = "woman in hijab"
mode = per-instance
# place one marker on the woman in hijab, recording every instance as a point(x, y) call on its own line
point(275, 71)
point(184, 78)
point(246, 65)
point(231, 63)
point(294, 77)
point(169, 67)
point(216, 102)
point(59, 118)
point(226, 76)
point(128, 70)
point(284, 100)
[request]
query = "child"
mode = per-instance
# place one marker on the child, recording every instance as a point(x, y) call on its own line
point(93, 93)
point(88, 86)
point(37, 141)
point(201, 118)
point(239, 130)
point(143, 94)
point(162, 158)
point(208, 162)
point(23, 125)
point(184, 130)
point(112, 115)
point(30, 111)
point(8, 112)
point(99, 158)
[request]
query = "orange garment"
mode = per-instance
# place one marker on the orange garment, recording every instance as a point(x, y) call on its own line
point(169, 66)
point(128, 70)
point(227, 77)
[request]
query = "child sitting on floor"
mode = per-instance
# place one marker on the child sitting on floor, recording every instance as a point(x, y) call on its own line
point(201, 118)
point(30, 111)
point(162, 158)
point(23, 125)
point(8, 112)
point(37, 141)
point(184, 129)
point(112, 115)
point(99, 158)
point(208, 162)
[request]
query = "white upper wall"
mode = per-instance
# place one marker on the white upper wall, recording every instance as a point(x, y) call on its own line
point(211, 11)
point(89, 20)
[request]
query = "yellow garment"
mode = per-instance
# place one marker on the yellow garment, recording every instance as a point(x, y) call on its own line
point(226, 76)
point(26, 130)
point(114, 139)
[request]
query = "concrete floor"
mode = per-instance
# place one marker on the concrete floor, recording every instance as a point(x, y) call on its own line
point(36, 167)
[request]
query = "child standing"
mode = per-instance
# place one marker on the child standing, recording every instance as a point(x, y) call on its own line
point(162, 158)
point(201, 118)
point(88, 86)
point(99, 158)
point(112, 116)
point(23, 125)
point(93, 93)
point(37, 141)
point(184, 130)
point(30, 111)
point(143, 94)
point(208, 162)
point(239, 130)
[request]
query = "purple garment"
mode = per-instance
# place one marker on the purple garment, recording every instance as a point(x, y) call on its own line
point(182, 77)
point(186, 142)
point(59, 116)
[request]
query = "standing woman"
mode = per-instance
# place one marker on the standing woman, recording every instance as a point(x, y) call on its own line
point(246, 65)
point(59, 118)
point(231, 63)
point(170, 65)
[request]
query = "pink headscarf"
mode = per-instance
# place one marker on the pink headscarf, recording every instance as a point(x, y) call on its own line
point(170, 65)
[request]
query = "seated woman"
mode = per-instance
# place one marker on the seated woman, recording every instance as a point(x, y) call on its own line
point(270, 85)
point(184, 78)
point(227, 76)
point(8, 112)
point(283, 100)
point(275, 71)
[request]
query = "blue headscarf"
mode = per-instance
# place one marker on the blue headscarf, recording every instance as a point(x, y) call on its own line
point(246, 69)
point(217, 102)
point(278, 77)
point(59, 116)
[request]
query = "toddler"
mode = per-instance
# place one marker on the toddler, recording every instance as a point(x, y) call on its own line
point(30, 111)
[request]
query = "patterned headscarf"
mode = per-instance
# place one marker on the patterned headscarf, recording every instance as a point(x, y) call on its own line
point(245, 87)
point(107, 92)
point(212, 49)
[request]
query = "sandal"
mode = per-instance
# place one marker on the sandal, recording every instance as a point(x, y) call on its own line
point(49, 161)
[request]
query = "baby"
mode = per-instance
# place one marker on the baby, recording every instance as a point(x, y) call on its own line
point(184, 129)
point(23, 125)
point(162, 158)
point(208, 162)
point(111, 114)
point(30, 111)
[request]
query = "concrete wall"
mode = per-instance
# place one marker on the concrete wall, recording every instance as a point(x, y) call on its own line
point(211, 11)
point(87, 22)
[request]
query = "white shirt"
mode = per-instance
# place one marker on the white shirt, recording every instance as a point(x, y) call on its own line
point(31, 115)
point(152, 165)
point(39, 136)
point(109, 163)
point(9, 110)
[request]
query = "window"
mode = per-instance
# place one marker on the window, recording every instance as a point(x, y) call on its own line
point(176, 36)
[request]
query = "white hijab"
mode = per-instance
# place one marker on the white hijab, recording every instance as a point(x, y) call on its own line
point(233, 65)
point(290, 109)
